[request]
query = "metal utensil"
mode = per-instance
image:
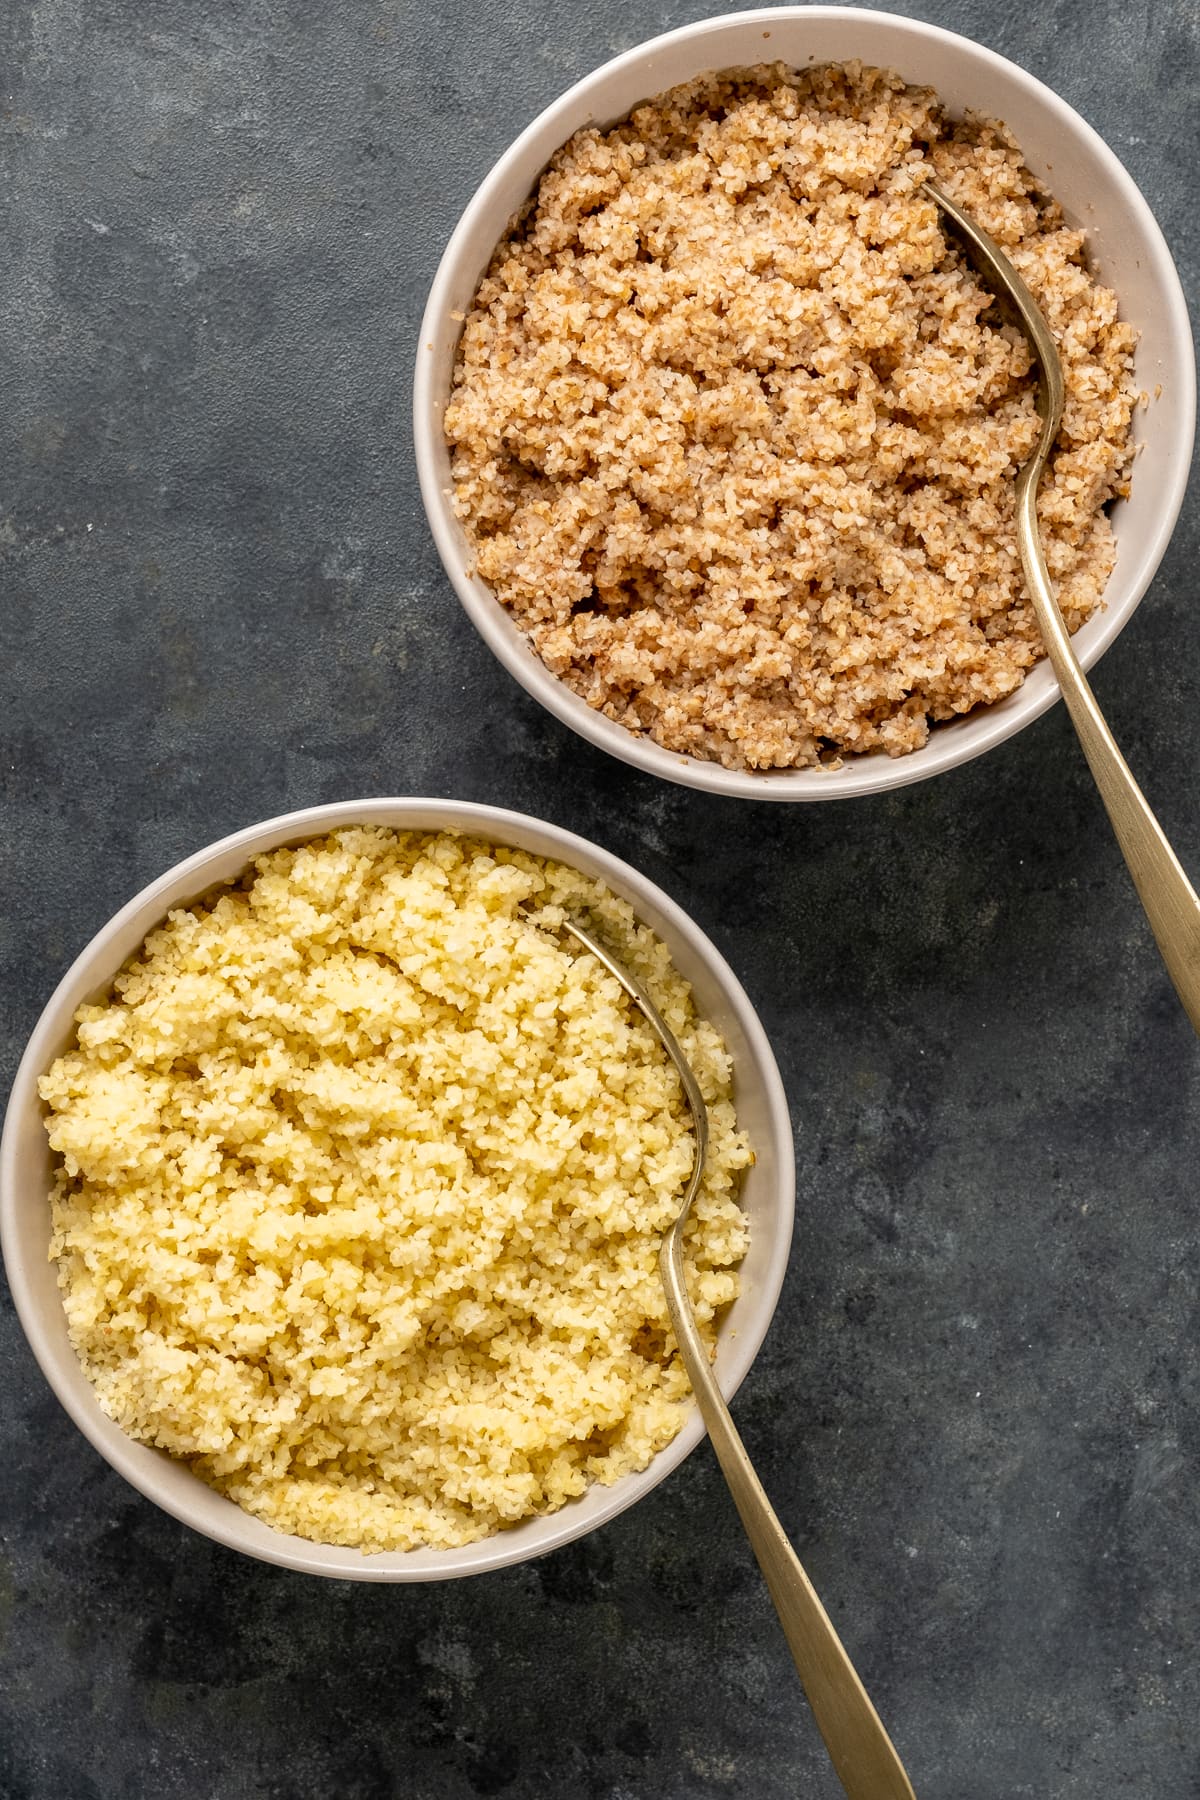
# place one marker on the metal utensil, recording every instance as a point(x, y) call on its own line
point(859, 1747)
point(1165, 892)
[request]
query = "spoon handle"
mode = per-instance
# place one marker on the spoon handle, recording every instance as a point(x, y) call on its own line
point(861, 1751)
point(859, 1748)
point(1166, 894)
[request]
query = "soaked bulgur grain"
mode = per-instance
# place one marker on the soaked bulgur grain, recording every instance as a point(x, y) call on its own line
point(734, 424)
point(362, 1175)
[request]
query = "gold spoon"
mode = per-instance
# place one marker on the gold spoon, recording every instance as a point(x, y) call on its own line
point(859, 1747)
point(1165, 892)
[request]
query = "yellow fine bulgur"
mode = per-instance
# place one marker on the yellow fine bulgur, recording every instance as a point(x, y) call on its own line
point(362, 1179)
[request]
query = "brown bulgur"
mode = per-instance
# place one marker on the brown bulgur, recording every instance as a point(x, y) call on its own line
point(734, 424)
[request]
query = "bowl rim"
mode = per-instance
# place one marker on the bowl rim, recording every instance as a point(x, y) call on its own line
point(94, 968)
point(876, 772)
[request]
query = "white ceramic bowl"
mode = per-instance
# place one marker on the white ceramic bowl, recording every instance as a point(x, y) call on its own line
point(1127, 250)
point(25, 1180)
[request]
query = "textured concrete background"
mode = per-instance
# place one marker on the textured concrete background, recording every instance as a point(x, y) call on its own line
point(978, 1410)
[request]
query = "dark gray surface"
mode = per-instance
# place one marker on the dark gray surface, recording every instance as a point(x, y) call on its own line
point(978, 1409)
